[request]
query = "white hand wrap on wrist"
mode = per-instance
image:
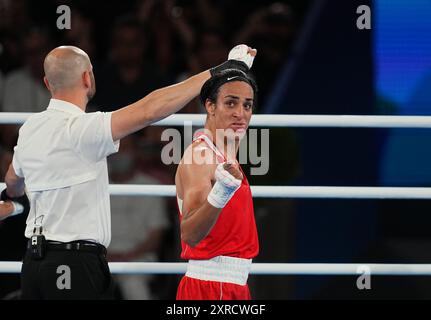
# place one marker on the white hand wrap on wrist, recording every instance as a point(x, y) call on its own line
point(224, 188)
point(17, 209)
point(240, 53)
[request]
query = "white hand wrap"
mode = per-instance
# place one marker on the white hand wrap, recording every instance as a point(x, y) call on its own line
point(240, 53)
point(224, 188)
point(17, 209)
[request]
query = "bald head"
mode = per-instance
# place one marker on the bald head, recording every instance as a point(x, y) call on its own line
point(64, 67)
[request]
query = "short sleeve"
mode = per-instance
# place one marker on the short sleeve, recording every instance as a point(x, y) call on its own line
point(15, 164)
point(91, 135)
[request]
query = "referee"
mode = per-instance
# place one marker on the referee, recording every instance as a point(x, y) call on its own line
point(60, 159)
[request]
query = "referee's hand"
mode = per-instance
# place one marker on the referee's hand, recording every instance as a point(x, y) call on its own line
point(6, 208)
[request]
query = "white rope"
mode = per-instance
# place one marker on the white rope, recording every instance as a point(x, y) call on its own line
point(261, 268)
point(290, 192)
point(142, 190)
point(284, 191)
point(280, 120)
point(13, 117)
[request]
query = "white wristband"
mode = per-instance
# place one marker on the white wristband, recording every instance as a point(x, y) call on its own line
point(224, 188)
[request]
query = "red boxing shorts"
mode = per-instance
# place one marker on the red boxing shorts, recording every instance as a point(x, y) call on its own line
point(195, 289)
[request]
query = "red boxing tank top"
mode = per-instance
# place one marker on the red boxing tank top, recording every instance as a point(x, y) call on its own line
point(234, 234)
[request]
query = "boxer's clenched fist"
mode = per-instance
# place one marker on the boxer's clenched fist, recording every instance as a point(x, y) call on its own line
point(228, 180)
point(233, 169)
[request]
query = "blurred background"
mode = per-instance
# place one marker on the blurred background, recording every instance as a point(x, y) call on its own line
point(312, 59)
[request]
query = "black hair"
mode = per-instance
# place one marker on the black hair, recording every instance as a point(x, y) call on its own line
point(211, 87)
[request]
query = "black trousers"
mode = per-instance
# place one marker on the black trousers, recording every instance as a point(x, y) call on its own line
point(66, 275)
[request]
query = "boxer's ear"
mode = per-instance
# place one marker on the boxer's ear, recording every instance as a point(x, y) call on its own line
point(210, 107)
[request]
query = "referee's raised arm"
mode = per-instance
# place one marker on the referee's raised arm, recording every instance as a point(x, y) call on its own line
point(155, 106)
point(163, 102)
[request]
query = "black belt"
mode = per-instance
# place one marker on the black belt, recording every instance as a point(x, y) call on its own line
point(80, 245)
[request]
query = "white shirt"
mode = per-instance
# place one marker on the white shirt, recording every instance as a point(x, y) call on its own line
point(61, 153)
point(23, 93)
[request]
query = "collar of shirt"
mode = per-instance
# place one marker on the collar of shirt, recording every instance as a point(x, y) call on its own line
point(61, 105)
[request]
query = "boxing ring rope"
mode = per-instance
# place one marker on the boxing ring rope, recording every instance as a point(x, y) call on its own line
point(343, 121)
point(291, 192)
point(262, 268)
point(279, 120)
point(285, 191)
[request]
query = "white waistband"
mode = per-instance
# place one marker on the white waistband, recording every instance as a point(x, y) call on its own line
point(220, 269)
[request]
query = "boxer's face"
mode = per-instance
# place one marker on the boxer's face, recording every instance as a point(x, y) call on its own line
point(234, 107)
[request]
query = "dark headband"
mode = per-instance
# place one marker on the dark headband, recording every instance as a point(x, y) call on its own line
point(225, 76)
